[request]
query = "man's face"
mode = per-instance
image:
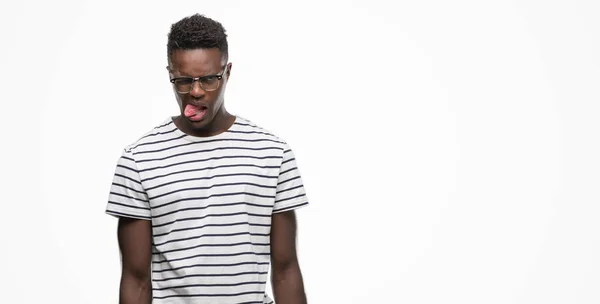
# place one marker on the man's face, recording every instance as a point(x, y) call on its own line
point(200, 106)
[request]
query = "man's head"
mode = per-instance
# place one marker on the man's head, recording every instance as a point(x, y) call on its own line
point(197, 53)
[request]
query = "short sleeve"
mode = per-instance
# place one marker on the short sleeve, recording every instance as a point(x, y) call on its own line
point(127, 197)
point(290, 193)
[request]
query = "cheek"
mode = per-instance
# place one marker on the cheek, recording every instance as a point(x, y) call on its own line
point(177, 95)
point(179, 100)
point(213, 99)
point(218, 102)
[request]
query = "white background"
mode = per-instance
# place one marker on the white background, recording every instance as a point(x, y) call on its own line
point(450, 149)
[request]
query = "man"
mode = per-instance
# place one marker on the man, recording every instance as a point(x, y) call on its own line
point(206, 199)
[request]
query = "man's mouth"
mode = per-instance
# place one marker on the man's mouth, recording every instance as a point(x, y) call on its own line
point(195, 113)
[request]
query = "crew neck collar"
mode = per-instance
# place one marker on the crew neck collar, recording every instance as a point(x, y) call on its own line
point(203, 138)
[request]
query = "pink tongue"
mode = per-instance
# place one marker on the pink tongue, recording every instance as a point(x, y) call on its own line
point(191, 110)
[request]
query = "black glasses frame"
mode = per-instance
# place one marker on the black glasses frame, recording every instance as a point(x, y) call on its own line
point(199, 80)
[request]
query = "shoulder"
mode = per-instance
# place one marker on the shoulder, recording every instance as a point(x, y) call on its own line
point(245, 128)
point(162, 131)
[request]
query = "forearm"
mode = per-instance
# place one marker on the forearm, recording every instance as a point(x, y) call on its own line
point(288, 285)
point(135, 290)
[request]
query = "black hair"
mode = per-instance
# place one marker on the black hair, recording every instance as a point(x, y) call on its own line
point(197, 32)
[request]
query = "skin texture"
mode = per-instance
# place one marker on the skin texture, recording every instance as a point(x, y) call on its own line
point(196, 63)
point(135, 239)
point(286, 277)
point(135, 236)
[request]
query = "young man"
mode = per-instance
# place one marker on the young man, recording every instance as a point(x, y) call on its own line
point(206, 199)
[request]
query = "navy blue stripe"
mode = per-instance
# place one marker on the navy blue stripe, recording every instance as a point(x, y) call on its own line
point(210, 196)
point(209, 265)
point(207, 216)
point(128, 188)
point(212, 186)
point(205, 142)
point(253, 127)
point(210, 285)
point(209, 159)
point(287, 151)
point(289, 198)
point(290, 207)
point(209, 255)
point(288, 170)
point(213, 245)
point(189, 295)
point(127, 214)
point(158, 133)
point(201, 275)
point(288, 180)
point(157, 142)
point(128, 206)
point(289, 189)
point(287, 161)
point(243, 124)
point(211, 275)
point(209, 178)
point(128, 158)
point(165, 124)
point(208, 150)
point(125, 167)
point(208, 168)
point(251, 132)
point(210, 225)
point(157, 216)
point(211, 235)
point(129, 178)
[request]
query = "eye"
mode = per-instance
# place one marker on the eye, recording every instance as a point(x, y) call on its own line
point(209, 79)
point(183, 81)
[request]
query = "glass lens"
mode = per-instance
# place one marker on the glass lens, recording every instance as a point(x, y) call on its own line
point(183, 84)
point(210, 83)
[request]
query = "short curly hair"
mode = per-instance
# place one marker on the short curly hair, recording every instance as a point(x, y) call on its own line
point(197, 32)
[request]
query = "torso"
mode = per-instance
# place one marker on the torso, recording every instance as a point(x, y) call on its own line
point(211, 201)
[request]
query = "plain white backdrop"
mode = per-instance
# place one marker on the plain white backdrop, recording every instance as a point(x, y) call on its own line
point(450, 149)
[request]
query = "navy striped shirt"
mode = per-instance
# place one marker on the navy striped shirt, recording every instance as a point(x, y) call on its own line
point(210, 200)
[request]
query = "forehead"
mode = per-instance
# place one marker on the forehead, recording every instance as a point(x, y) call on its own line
point(196, 62)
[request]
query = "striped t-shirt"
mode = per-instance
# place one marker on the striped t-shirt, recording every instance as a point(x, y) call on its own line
point(210, 200)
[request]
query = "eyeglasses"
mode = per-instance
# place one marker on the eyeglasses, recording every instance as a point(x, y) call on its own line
point(208, 83)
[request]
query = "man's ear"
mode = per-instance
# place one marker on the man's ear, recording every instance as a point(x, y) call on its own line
point(229, 69)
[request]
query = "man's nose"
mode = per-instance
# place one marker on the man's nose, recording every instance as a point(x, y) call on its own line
point(197, 90)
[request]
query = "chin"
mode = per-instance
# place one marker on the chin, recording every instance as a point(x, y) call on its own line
point(198, 125)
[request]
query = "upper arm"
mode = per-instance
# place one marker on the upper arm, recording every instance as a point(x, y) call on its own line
point(290, 195)
point(135, 244)
point(129, 202)
point(283, 239)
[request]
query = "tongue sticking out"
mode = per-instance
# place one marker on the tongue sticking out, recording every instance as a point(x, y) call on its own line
point(194, 112)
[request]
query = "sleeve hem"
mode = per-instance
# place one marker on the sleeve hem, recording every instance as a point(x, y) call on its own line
point(128, 215)
point(292, 206)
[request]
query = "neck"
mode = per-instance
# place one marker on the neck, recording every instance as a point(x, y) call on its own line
point(220, 123)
